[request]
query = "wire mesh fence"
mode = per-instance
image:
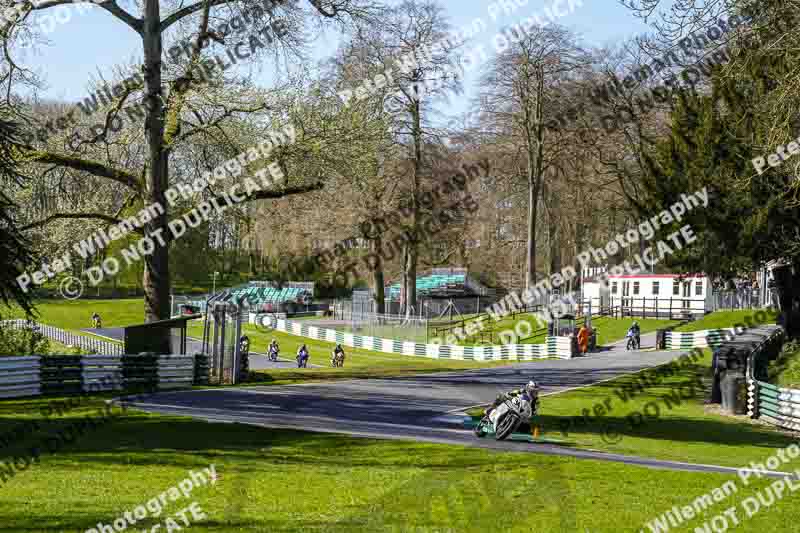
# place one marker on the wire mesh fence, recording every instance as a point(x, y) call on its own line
point(383, 326)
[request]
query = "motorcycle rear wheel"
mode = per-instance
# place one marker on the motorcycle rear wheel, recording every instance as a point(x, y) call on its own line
point(506, 426)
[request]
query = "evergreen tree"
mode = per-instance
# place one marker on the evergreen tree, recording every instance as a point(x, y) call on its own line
point(15, 249)
point(750, 218)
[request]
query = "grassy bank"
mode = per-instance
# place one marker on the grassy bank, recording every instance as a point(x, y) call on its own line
point(289, 481)
point(785, 370)
point(77, 314)
point(666, 419)
point(727, 319)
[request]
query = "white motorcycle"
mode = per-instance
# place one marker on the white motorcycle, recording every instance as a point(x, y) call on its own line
point(504, 419)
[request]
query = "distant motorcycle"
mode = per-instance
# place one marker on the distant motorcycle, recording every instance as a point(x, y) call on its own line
point(634, 342)
point(272, 355)
point(337, 360)
point(302, 360)
point(506, 417)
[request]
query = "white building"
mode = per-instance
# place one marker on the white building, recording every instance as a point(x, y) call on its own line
point(651, 295)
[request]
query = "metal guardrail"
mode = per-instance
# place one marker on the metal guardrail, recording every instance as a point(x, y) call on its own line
point(36, 375)
point(779, 406)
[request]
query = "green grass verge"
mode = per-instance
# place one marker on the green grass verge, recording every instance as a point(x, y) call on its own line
point(785, 370)
point(726, 319)
point(613, 329)
point(77, 314)
point(290, 481)
point(679, 426)
point(358, 363)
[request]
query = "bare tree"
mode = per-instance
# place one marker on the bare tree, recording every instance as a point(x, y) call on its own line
point(181, 102)
point(518, 87)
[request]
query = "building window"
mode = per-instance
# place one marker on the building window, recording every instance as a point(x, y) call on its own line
point(698, 288)
point(635, 288)
point(614, 287)
point(655, 288)
point(676, 288)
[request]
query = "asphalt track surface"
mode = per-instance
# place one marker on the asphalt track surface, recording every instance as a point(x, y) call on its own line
point(422, 407)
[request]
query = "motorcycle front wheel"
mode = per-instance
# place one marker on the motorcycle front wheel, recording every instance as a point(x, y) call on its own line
point(480, 428)
point(505, 426)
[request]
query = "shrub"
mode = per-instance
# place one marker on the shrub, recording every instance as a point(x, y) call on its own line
point(25, 341)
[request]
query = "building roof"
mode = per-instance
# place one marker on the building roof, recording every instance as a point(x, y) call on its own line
point(650, 276)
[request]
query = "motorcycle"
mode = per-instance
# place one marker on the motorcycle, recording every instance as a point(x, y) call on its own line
point(337, 360)
point(504, 419)
point(272, 355)
point(634, 342)
point(302, 361)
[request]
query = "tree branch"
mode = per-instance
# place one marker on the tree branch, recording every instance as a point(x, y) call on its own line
point(92, 167)
point(61, 216)
point(109, 5)
point(270, 195)
point(188, 10)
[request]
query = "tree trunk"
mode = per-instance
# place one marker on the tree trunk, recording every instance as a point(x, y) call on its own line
point(534, 137)
point(411, 265)
point(378, 278)
point(530, 267)
point(156, 280)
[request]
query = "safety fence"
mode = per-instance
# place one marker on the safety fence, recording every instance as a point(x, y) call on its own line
point(87, 344)
point(560, 347)
point(770, 403)
point(777, 405)
point(707, 338)
point(35, 375)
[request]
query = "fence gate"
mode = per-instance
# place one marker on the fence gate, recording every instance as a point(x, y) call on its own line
point(221, 334)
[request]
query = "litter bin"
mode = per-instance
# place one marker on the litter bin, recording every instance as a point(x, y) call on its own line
point(734, 392)
point(593, 340)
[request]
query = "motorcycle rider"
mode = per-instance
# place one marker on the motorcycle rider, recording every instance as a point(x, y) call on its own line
point(531, 390)
point(302, 357)
point(273, 350)
point(635, 333)
point(336, 351)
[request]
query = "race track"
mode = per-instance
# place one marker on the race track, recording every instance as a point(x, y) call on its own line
point(422, 407)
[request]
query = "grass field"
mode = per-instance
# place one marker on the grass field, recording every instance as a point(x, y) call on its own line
point(288, 481)
point(726, 319)
point(684, 430)
point(77, 314)
point(358, 363)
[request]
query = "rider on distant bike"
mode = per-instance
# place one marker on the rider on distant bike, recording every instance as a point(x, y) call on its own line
point(635, 333)
point(302, 357)
point(273, 350)
point(337, 356)
point(531, 390)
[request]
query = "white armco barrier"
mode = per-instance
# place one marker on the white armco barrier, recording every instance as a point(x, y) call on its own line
point(560, 347)
point(20, 376)
point(707, 338)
